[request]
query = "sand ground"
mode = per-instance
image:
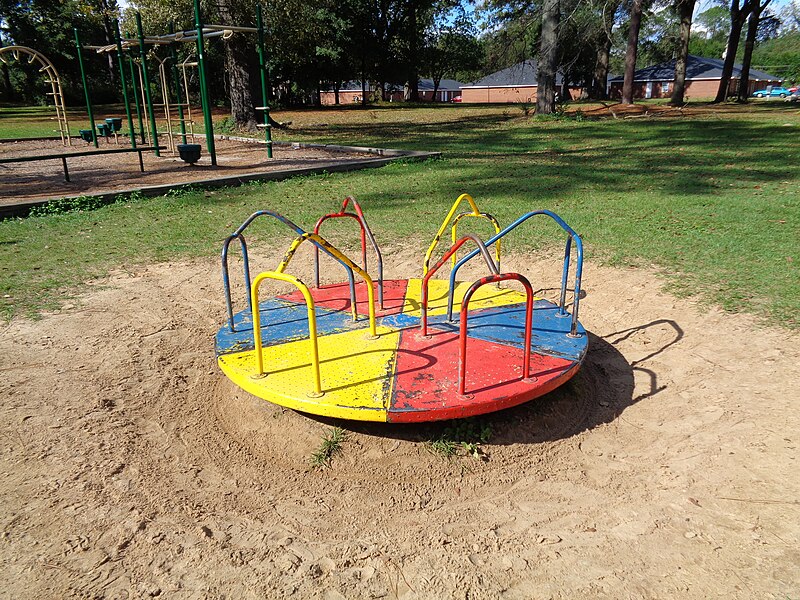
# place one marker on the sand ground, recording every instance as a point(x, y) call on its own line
point(131, 468)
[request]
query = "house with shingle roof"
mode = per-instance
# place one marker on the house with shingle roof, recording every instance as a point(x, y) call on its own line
point(350, 92)
point(517, 83)
point(702, 79)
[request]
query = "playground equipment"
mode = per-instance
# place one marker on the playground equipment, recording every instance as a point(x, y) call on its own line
point(332, 350)
point(168, 67)
point(51, 77)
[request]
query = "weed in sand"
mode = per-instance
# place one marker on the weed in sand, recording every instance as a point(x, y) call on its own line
point(462, 438)
point(331, 445)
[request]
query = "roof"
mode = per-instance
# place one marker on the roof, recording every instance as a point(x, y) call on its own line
point(697, 67)
point(444, 84)
point(424, 85)
point(519, 75)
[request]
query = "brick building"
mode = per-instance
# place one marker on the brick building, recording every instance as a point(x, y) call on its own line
point(351, 91)
point(514, 84)
point(702, 80)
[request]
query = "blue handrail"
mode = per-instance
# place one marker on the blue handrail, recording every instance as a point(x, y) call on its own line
point(571, 236)
point(239, 234)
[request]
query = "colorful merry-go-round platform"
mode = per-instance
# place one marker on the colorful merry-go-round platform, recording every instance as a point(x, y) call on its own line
point(402, 350)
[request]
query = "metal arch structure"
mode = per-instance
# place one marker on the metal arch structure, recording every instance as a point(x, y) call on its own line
point(405, 361)
point(198, 35)
point(51, 76)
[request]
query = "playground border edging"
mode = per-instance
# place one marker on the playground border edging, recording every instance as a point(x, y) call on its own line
point(387, 155)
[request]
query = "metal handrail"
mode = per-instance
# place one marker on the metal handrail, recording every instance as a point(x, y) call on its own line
point(332, 251)
point(366, 233)
point(482, 215)
point(239, 234)
point(312, 325)
point(462, 333)
point(445, 223)
point(571, 236)
point(423, 302)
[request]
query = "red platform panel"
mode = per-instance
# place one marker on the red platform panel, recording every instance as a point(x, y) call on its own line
point(425, 387)
point(337, 297)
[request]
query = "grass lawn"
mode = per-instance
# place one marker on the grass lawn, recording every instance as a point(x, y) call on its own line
point(710, 198)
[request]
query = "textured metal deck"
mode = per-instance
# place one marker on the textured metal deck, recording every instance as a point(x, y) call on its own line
point(401, 376)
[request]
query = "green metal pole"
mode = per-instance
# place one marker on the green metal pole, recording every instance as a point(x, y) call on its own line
point(135, 89)
point(262, 67)
point(85, 87)
point(121, 63)
point(173, 56)
point(146, 81)
point(204, 96)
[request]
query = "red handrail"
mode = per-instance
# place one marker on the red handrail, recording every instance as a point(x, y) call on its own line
point(462, 359)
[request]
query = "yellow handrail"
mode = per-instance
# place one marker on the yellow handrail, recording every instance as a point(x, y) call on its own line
point(475, 212)
point(312, 323)
point(342, 258)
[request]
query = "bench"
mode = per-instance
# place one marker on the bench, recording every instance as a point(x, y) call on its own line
point(65, 155)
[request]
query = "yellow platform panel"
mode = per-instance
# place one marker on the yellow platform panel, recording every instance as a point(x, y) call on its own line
point(487, 296)
point(356, 374)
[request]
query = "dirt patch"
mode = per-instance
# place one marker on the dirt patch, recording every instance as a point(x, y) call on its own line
point(131, 468)
point(27, 181)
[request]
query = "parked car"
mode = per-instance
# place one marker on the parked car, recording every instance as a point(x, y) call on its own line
point(456, 99)
point(780, 92)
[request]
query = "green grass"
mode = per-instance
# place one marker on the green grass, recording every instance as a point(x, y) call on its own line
point(710, 199)
point(330, 446)
point(461, 438)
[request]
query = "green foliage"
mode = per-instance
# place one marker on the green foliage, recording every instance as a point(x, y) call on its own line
point(48, 28)
point(780, 56)
point(330, 446)
point(462, 437)
point(717, 218)
point(64, 206)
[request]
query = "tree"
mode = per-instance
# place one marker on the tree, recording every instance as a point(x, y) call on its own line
point(630, 52)
point(608, 12)
point(739, 15)
point(749, 44)
point(451, 48)
point(710, 34)
point(780, 56)
point(548, 58)
point(685, 9)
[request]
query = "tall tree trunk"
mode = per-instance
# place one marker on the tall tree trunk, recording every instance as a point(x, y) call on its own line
point(413, 74)
point(236, 68)
point(336, 93)
point(436, 82)
point(630, 52)
point(738, 17)
point(363, 76)
point(749, 44)
point(107, 12)
point(685, 10)
point(548, 58)
point(600, 76)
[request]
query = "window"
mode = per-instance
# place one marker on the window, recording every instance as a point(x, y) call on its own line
point(665, 87)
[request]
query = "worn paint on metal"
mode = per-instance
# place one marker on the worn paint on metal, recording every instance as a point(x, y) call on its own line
point(322, 243)
point(464, 315)
point(438, 292)
point(337, 297)
point(281, 321)
point(356, 374)
point(426, 381)
point(400, 376)
point(506, 325)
